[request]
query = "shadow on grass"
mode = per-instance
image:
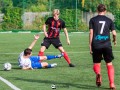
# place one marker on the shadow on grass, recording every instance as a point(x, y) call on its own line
point(65, 85)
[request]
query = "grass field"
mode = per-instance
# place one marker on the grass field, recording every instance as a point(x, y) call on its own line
point(80, 77)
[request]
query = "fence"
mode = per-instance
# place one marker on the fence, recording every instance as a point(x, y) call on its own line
point(31, 14)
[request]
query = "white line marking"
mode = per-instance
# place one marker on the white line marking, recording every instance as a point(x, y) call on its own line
point(9, 84)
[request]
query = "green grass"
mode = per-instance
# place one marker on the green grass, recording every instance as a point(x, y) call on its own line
point(80, 77)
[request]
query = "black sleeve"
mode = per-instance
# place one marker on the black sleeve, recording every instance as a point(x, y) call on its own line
point(63, 24)
point(47, 21)
point(91, 24)
point(112, 26)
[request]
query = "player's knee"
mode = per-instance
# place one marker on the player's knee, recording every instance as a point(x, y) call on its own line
point(61, 49)
point(43, 58)
point(44, 64)
point(42, 48)
point(110, 63)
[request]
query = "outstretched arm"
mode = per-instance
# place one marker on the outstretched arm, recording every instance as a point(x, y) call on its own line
point(36, 37)
point(66, 34)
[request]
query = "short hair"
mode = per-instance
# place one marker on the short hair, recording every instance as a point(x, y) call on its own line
point(56, 11)
point(101, 8)
point(27, 51)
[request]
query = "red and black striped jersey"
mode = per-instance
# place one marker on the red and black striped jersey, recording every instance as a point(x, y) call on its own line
point(54, 27)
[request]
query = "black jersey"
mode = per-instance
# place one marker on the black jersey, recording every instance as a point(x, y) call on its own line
point(54, 27)
point(101, 26)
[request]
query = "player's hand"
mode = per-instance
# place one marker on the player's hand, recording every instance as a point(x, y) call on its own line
point(68, 42)
point(91, 52)
point(115, 42)
point(46, 35)
point(36, 36)
point(27, 68)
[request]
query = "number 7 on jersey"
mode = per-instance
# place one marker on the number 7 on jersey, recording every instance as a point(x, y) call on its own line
point(103, 25)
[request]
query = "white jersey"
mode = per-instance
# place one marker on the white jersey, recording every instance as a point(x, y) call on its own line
point(24, 62)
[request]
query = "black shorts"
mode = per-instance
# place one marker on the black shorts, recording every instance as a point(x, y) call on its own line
point(103, 53)
point(54, 41)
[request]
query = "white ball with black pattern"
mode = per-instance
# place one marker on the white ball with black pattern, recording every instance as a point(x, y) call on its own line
point(7, 66)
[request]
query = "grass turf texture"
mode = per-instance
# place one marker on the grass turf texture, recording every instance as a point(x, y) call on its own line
point(80, 77)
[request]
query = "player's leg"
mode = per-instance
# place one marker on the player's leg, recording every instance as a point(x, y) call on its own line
point(110, 69)
point(57, 44)
point(35, 59)
point(46, 65)
point(108, 57)
point(97, 70)
point(97, 57)
point(41, 52)
point(37, 64)
point(44, 45)
point(65, 55)
point(50, 57)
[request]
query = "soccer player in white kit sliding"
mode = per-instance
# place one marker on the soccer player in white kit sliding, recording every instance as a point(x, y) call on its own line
point(29, 62)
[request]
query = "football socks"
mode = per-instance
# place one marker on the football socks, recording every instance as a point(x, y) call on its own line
point(52, 65)
point(97, 68)
point(110, 69)
point(49, 57)
point(41, 53)
point(65, 55)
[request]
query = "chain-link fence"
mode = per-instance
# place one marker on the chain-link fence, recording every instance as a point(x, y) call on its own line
point(31, 14)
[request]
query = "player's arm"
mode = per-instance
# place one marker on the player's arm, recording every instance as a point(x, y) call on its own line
point(114, 37)
point(67, 37)
point(44, 30)
point(90, 40)
point(27, 68)
point(36, 37)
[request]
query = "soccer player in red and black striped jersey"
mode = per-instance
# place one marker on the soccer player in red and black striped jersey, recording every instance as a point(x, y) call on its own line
point(52, 35)
point(100, 45)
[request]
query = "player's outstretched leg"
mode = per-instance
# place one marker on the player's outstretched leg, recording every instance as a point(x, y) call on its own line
point(52, 65)
point(49, 57)
point(65, 55)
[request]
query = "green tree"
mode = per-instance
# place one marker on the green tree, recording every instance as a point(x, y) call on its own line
point(12, 19)
point(31, 5)
point(4, 4)
point(113, 6)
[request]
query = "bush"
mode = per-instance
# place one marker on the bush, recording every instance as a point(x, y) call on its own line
point(12, 19)
point(117, 21)
point(37, 24)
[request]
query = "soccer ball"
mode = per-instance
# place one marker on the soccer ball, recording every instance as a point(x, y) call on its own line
point(53, 86)
point(7, 66)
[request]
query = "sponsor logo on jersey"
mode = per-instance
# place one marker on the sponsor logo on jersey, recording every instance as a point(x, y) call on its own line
point(99, 37)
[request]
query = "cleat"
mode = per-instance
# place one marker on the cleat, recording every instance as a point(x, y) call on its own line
point(54, 65)
point(71, 65)
point(59, 56)
point(112, 87)
point(98, 80)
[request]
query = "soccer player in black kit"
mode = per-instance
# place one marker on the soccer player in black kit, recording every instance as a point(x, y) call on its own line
point(55, 24)
point(100, 45)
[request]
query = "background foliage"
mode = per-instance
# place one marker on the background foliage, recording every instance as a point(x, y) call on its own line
point(71, 11)
point(12, 19)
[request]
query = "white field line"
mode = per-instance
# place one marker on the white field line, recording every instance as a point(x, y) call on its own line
point(52, 52)
point(9, 84)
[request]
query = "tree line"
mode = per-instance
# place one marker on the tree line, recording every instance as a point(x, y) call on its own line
point(14, 9)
